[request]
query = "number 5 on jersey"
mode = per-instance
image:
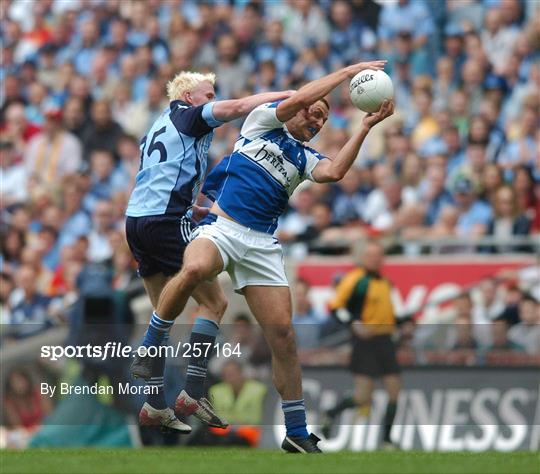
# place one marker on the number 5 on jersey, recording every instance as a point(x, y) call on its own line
point(154, 145)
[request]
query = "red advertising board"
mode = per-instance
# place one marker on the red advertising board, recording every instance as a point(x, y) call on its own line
point(416, 281)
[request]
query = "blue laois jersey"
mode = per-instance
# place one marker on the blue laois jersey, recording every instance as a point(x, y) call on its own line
point(254, 183)
point(174, 156)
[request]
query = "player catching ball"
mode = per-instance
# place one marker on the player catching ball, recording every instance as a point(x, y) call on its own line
point(251, 189)
point(174, 157)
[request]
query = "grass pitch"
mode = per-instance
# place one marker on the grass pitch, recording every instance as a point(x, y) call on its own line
point(237, 461)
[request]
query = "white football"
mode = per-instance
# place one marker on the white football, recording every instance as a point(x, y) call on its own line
point(370, 88)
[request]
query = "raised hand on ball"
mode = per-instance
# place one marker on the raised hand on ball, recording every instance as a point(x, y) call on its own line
point(354, 69)
point(386, 109)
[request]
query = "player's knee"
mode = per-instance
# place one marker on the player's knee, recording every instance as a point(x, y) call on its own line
point(284, 340)
point(193, 272)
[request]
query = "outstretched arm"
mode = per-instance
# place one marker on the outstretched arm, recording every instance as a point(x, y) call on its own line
point(329, 170)
point(226, 110)
point(316, 90)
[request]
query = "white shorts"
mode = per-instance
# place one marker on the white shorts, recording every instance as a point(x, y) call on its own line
point(250, 257)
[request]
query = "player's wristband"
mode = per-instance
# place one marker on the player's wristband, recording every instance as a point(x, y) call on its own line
point(343, 316)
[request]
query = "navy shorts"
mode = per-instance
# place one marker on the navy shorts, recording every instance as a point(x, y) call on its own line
point(374, 357)
point(158, 243)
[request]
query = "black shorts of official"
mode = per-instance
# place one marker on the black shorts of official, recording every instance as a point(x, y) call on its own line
point(374, 357)
point(158, 243)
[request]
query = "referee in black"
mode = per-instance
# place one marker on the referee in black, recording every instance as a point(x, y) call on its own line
point(363, 301)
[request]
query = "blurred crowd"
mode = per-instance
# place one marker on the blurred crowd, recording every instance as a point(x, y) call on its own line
point(493, 321)
point(82, 80)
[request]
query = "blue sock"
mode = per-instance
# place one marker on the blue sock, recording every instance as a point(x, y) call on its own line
point(295, 417)
point(157, 399)
point(204, 332)
point(157, 331)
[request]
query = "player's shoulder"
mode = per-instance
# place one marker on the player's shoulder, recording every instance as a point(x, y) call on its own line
point(179, 105)
point(355, 273)
point(261, 119)
point(192, 120)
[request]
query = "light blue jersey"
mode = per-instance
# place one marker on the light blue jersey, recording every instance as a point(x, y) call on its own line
point(254, 183)
point(173, 161)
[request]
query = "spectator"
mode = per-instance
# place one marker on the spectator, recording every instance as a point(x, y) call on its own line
point(273, 48)
point(298, 219)
point(240, 400)
point(79, 87)
point(144, 70)
point(47, 241)
point(76, 221)
point(405, 15)
point(74, 116)
point(29, 307)
point(130, 115)
point(105, 178)
point(319, 236)
point(24, 406)
point(33, 256)
point(523, 150)
point(47, 73)
point(349, 38)
point(16, 127)
point(54, 153)
point(474, 215)
point(473, 165)
point(382, 204)
point(367, 11)
point(445, 226)
point(99, 249)
point(6, 287)
point(232, 68)
point(487, 306)
point(473, 80)
point(454, 42)
point(13, 242)
point(492, 179)
point(351, 198)
point(527, 332)
point(500, 337)
point(523, 185)
point(155, 101)
point(159, 47)
point(13, 175)
point(507, 221)
point(434, 194)
point(83, 53)
point(405, 52)
point(497, 39)
point(307, 17)
point(464, 338)
point(265, 79)
point(308, 67)
point(37, 93)
point(306, 321)
point(118, 38)
point(129, 155)
point(102, 132)
point(453, 148)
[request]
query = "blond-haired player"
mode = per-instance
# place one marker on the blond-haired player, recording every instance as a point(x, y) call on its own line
point(174, 156)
